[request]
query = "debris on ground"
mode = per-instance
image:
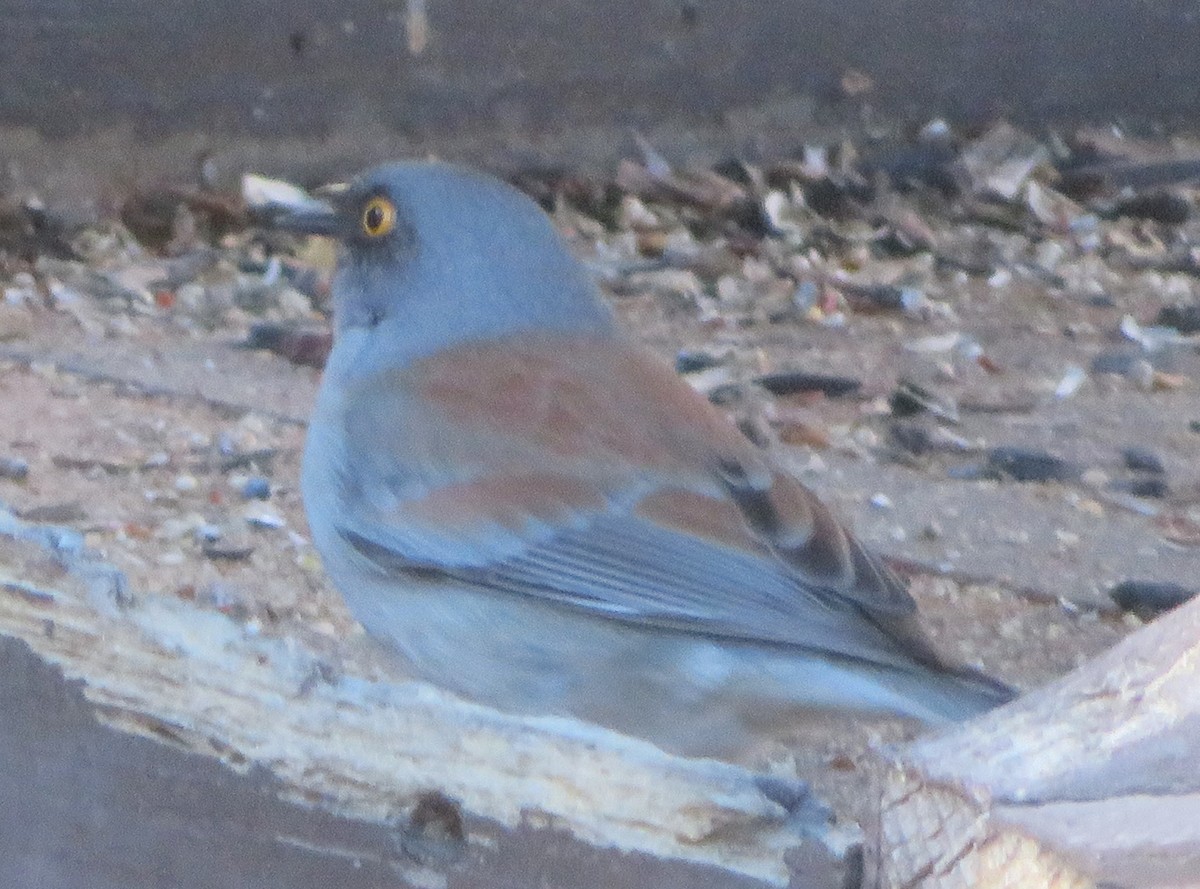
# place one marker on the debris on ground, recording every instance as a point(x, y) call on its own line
point(982, 348)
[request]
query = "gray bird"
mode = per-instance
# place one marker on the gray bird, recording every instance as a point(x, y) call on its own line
point(539, 516)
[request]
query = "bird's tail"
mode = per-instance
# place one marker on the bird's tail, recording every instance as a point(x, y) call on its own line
point(953, 695)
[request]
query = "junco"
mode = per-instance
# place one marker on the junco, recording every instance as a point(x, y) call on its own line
point(541, 517)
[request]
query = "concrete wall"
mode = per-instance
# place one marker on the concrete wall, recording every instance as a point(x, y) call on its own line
point(566, 80)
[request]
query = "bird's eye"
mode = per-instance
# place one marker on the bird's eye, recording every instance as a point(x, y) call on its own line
point(378, 217)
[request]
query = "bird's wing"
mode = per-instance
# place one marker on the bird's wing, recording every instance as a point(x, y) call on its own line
point(581, 472)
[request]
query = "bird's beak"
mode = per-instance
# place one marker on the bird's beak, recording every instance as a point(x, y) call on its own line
point(311, 218)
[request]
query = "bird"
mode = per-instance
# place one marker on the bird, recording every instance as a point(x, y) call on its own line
point(540, 516)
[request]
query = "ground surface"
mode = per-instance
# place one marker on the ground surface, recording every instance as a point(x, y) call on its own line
point(141, 421)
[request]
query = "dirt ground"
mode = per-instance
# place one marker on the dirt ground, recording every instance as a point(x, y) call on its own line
point(146, 450)
point(147, 427)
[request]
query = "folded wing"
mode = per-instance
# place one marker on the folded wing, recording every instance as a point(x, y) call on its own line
point(588, 475)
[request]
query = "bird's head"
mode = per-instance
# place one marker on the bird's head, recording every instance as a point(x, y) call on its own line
point(433, 254)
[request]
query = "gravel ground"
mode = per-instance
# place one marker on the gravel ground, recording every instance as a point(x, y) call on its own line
point(888, 345)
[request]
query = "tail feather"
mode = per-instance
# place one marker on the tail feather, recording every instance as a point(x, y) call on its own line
point(956, 695)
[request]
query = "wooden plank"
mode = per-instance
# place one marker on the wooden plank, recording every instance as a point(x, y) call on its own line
point(83, 805)
point(1091, 781)
point(272, 776)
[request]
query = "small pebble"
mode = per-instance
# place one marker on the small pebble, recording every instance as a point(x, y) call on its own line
point(691, 362)
point(171, 558)
point(1142, 460)
point(716, 383)
point(264, 520)
point(1049, 254)
point(185, 483)
point(296, 343)
point(14, 468)
point(1152, 487)
point(252, 424)
point(227, 553)
point(208, 533)
point(935, 345)
point(1141, 374)
point(225, 598)
point(1014, 536)
point(945, 372)
point(866, 438)
point(1066, 539)
point(804, 434)
point(881, 501)
point(1133, 504)
point(1165, 382)
point(256, 488)
point(16, 322)
point(912, 438)
point(1026, 465)
point(1184, 318)
point(1120, 363)
point(792, 382)
point(908, 398)
point(1070, 382)
point(1147, 598)
point(180, 526)
point(805, 296)
point(1159, 206)
point(969, 472)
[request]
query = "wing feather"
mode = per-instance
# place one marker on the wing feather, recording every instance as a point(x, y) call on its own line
point(606, 484)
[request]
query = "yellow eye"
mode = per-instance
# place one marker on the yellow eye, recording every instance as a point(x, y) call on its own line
point(378, 217)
